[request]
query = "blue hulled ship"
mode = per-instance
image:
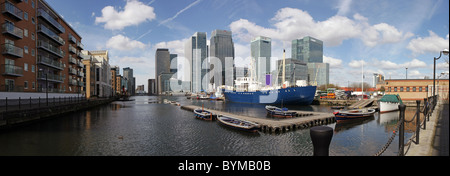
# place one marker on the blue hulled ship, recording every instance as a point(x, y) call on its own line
point(291, 95)
point(248, 90)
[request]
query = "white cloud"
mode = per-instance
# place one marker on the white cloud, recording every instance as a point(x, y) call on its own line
point(431, 44)
point(415, 63)
point(344, 7)
point(129, 60)
point(334, 63)
point(122, 43)
point(134, 13)
point(291, 23)
point(357, 63)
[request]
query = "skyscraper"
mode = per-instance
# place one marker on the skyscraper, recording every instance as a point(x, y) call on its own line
point(128, 74)
point(308, 50)
point(162, 66)
point(222, 48)
point(196, 53)
point(261, 51)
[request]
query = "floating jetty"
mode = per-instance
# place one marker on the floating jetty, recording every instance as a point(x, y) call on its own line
point(306, 119)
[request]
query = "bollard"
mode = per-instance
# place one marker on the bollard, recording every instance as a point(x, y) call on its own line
point(401, 136)
point(418, 121)
point(321, 139)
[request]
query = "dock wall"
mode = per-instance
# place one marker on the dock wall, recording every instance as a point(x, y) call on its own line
point(13, 118)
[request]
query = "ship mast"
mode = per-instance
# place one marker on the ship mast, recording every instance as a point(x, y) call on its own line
point(283, 74)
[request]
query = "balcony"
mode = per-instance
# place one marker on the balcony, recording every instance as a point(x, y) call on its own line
point(52, 35)
point(72, 39)
point(80, 55)
point(80, 83)
point(72, 71)
point(12, 50)
point(73, 82)
point(50, 62)
point(72, 60)
point(42, 13)
point(9, 8)
point(80, 73)
point(9, 28)
point(50, 77)
point(50, 48)
point(72, 49)
point(11, 70)
point(80, 64)
point(80, 45)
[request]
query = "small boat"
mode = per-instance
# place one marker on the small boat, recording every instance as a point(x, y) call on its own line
point(389, 103)
point(238, 123)
point(337, 107)
point(204, 114)
point(353, 114)
point(175, 103)
point(280, 112)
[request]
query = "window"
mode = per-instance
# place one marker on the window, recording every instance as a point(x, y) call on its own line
point(401, 89)
point(389, 89)
point(25, 66)
point(25, 85)
point(414, 89)
point(33, 85)
point(25, 48)
point(420, 89)
point(32, 4)
point(33, 68)
point(32, 20)
point(32, 36)
point(395, 89)
point(407, 89)
point(25, 32)
point(25, 16)
point(33, 52)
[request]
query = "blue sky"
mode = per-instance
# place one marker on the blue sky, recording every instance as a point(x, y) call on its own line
point(386, 36)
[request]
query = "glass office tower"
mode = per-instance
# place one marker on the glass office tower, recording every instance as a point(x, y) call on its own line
point(261, 51)
point(222, 48)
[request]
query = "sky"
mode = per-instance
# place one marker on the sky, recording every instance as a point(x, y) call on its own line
point(383, 36)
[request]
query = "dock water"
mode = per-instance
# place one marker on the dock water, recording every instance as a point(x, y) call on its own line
point(306, 119)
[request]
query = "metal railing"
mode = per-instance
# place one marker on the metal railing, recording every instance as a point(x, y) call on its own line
point(13, 30)
point(427, 110)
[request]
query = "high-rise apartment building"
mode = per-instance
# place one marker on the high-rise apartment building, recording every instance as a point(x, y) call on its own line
point(261, 51)
point(40, 51)
point(196, 52)
point(222, 48)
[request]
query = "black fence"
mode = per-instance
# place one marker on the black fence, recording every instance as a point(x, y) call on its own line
point(426, 111)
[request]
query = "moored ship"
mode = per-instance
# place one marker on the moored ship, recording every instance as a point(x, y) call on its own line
point(248, 91)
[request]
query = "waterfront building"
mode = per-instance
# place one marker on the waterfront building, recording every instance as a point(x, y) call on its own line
point(41, 52)
point(128, 75)
point(222, 48)
point(310, 51)
point(196, 52)
point(162, 65)
point(151, 87)
point(261, 51)
point(174, 64)
point(415, 89)
point(294, 70)
point(377, 79)
point(114, 73)
point(98, 74)
point(307, 49)
point(319, 73)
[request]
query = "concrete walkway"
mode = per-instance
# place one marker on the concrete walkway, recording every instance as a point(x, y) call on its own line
point(434, 140)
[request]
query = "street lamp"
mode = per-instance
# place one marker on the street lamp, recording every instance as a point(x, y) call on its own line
point(46, 85)
point(445, 52)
